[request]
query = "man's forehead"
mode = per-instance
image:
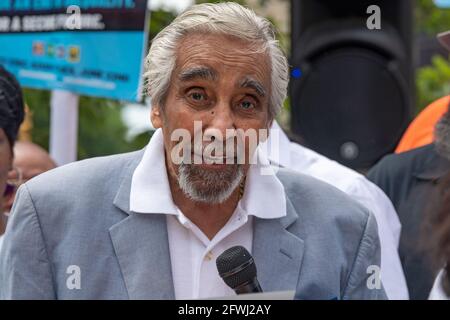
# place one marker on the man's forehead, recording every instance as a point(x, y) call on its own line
point(208, 73)
point(216, 41)
point(215, 51)
point(214, 70)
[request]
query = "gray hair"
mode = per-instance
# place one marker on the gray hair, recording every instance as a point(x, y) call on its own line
point(227, 18)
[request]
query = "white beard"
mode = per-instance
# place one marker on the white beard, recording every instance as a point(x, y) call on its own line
point(209, 186)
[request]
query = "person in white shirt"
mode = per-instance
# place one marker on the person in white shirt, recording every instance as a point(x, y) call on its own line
point(282, 152)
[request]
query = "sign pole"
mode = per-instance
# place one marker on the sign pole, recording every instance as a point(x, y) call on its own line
point(64, 126)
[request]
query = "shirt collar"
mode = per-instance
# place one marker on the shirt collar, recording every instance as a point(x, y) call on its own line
point(264, 195)
point(150, 190)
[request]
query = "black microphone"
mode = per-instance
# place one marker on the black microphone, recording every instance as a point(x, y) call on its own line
point(238, 270)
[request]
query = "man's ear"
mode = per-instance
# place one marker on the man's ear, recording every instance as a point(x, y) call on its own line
point(156, 117)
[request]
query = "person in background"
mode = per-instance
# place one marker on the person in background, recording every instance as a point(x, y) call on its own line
point(296, 157)
point(440, 222)
point(410, 180)
point(30, 160)
point(440, 243)
point(11, 116)
point(421, 130)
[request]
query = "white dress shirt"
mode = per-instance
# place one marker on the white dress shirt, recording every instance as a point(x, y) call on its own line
point(193, 255)
point(291, 155)
point(437, 292)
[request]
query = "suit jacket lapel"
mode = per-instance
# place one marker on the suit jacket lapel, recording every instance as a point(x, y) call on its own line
point(142, 248)
point(278, 253)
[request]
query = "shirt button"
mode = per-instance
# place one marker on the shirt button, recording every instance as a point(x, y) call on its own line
point(209, 256)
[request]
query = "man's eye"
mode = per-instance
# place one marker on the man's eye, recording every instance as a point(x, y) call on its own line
point(247, 105)
point(197, 96)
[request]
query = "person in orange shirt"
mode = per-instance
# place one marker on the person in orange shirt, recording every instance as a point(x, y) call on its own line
point(421, 131)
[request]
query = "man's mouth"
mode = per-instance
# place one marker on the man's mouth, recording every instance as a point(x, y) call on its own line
point(216, 160)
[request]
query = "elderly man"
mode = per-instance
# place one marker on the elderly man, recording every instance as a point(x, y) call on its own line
point(151, 224)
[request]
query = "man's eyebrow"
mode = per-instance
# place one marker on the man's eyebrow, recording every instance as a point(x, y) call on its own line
point(253, 84)
point(204, 73)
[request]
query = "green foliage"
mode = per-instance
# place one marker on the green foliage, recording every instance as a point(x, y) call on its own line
point(101, 130)
point(159, 19)
point(433, 81)
point(431, 19)
point(38, 101)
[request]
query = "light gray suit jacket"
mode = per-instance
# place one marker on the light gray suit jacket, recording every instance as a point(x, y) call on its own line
point(72, 236)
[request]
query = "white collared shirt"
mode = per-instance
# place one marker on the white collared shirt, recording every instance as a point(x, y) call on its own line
point(293, 156)
point(193, 255)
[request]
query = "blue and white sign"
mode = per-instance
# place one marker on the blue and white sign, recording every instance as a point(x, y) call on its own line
point(90, 47)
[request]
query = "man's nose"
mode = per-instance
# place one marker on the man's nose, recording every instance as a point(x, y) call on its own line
point(221, 123)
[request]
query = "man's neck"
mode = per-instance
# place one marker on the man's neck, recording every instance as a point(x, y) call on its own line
point(209, 218)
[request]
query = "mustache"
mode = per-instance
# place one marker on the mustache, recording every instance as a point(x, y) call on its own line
point(215, 150)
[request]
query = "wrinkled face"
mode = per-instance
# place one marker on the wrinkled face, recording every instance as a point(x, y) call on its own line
point(220, 85)
point(5, 163)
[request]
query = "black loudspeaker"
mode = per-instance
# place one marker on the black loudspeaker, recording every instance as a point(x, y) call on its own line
point(352, 86)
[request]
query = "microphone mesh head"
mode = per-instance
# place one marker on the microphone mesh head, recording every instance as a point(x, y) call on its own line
point(231, 260)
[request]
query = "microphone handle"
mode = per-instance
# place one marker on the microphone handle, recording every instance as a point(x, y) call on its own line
point(249, 287)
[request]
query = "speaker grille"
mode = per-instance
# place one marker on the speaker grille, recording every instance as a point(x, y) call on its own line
point(350, 106)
